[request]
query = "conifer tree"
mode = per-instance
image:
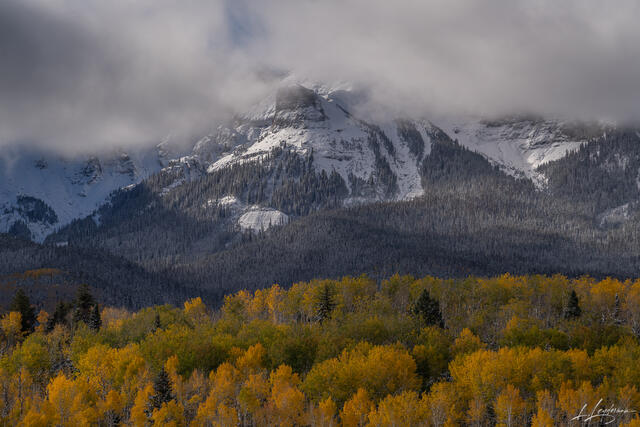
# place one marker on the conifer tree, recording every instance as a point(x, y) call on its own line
point(84, 304)
point(162, 390)
point(22, 305)
point(572, 310)
point(325, 304)
point(157, 324)
point(59, 316)
point(95, 321)
point(429, 310)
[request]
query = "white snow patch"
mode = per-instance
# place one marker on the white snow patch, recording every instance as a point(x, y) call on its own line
point(615, 216)
point(520, 147)
point(260, 219)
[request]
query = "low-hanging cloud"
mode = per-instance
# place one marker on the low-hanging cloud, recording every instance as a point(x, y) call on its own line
point(91, 73)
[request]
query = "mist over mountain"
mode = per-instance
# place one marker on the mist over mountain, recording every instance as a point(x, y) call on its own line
point(299, 186)
point(88, 76)
point(202, 146)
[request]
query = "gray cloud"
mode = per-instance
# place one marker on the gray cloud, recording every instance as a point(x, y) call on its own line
point(91, 73)
point(579, 58)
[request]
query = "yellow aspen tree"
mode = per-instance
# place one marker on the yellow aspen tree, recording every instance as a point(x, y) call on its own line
point(252, 360)
point(223, 383)
point(252, 397)
point(399, 410)
point(286, 402)
point(545, 406)
point(274, 302)
point(323, 415)
point(227, 415)
point(69, 402)
point(214, 413)
point(477, 412)
point(355, 411)
point(572, 401)
point(170, 414)
point(195, 392)
point(635, 422)
point(139, 417)
point(42, 319)
point(509, 407)
point(327, 411)
point(542, 419)
point(111, 409)
point(441, 405)
point(196, 311)
point(466, 343)
point(628, 399)
point(11, 325)
point(171, 367)
point(35, 417)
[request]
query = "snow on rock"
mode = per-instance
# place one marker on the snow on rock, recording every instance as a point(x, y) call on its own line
point(259, 219)
point(519, 146)
point(318, 121)
point(70, 187)
point(617, 215)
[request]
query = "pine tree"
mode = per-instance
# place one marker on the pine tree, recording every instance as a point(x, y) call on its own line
point(157, 322)
point(59, 316)
point(162, 391)
point(84, 304)
point(325, 303)
point(429, 310)
point(95, 321)
point(572, 310)
point(22, 305)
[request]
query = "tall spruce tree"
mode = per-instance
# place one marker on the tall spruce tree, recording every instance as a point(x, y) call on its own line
point(95, 321)
point(84, 305)
point(162, 391)
point(325, 304)
point(59, 316)
point(22, 305)
point(156, 323)
point(572, 310)
point(428, 309)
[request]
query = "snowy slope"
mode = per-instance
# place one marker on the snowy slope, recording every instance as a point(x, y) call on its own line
point(318, 122)
point(69, 188)
point(519, 146)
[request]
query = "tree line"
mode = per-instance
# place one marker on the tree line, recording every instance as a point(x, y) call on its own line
point(507, 350)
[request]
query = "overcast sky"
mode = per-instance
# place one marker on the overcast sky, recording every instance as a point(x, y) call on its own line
point(78, 74)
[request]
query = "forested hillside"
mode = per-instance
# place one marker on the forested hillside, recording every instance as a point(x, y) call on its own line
point(117, 281)
point(509, 350)
point(471, 219)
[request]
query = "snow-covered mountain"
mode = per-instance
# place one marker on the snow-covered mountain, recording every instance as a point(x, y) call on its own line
point(41, 192)
point(376, 159)
point(365, 154)
point(321, 120)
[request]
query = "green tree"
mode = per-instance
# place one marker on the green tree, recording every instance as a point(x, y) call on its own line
point(22, 305)
point(84, 305)
point(59, 316)
point(572, 310)
point(95, 321)
point(325, 304)
point(162, 391)
point(157, 324)
point(428, 309)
